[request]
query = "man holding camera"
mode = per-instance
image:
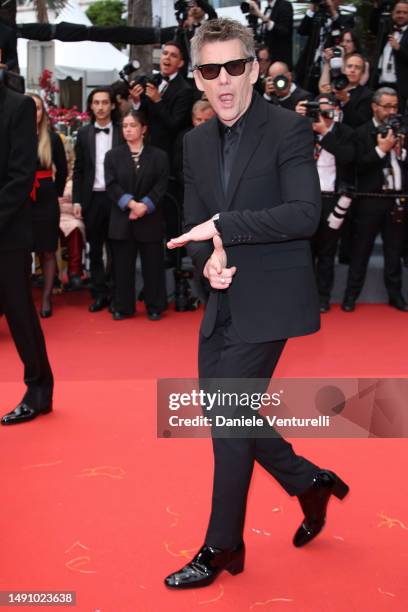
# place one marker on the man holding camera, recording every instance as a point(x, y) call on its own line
point(380, 167)
point(354, 99)
point(334, 155)
point(276, 29)
point(392, 68)
point(280, 88)
point(322, 24)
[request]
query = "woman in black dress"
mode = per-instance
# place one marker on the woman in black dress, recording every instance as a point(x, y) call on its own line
point(136, 177)
point(49, 184)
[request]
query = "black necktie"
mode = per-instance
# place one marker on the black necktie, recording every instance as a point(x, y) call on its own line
point(228, 152)
point(106, 130)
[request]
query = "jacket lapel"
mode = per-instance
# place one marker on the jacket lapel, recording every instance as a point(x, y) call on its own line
point(92, 143)
point(251, 136)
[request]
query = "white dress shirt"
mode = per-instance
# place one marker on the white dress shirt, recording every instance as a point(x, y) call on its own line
point(103, 144)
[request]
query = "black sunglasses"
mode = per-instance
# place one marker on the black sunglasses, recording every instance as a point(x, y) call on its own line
point(233, 67)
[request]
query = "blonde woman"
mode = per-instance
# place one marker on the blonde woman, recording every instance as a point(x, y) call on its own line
point(48, 185)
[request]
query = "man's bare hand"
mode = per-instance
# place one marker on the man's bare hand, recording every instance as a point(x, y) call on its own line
point(215, 270)
point(204, 231)
point(77, 211)
point(135, 93)
point(153, 93)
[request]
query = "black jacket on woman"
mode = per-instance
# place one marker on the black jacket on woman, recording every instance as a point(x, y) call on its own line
point(150, 180)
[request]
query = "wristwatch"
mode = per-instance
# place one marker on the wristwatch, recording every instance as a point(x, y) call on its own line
point(216, 220)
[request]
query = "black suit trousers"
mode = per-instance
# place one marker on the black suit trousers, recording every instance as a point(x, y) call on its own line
point(96, 218)
point(324, 247)
point(17, 304)
point(372, 216)
point(225, 355)
point(124, 273)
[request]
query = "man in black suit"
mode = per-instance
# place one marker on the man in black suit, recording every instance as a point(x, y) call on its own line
point(252, 200)
point(390, 68)
point(18, 162)
point(89, 189)
point(287, 95)
point(276, 30)
point(322, 24)
point(354, 99)
point(8, 46)
point(380, 167)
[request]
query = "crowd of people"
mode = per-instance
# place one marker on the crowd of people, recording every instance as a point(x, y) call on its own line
point(126, 171)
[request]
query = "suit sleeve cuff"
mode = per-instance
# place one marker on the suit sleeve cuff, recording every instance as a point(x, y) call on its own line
point(380, 153)
point(271, 25)
point(150, 206)
point(124, 201)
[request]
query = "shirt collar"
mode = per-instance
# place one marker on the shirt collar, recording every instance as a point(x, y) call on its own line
point(103, 127)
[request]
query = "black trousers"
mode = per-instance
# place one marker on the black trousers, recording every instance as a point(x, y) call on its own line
point(124, 272)
point(16, 302)
point(225, 355)
point(324, 247)
point(96, 218)
point(370, 217)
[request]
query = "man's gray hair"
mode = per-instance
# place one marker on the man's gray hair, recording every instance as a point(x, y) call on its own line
point(221, 30)
point(383, 91)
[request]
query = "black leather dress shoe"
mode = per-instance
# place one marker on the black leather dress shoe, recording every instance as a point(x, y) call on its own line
point(119, 316)
point(399, 303)
point(99, 304)
point(349, 304)
point(314, 505)
point(324, 305)
point(154, 316)
point(74, 283)
point(206, 566)
point(23, 413)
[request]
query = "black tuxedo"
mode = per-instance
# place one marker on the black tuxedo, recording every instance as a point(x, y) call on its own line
point(400, 57)
point(340, 142)
point(373, 215)
point(8, 46)
point(290, 103)
point(279, 39)
point(145, 234)
point(307, 77)
point(269, 211)
point(18, 160)
point(96, 205)
point(358, 110)
point(171, 115)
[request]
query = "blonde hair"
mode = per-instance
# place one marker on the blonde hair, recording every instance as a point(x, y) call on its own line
point(44, 140)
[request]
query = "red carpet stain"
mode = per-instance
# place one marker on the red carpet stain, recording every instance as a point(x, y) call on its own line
point(390, 522)
point(76, 564)
point(109, 471)
point(77, 544)
point(260, 531)
point(173, 514)
point(277, 509)
point(41, 465)
point(338, 538)
point(182, 553)
point(220, 594)
point(385, 592)
point(268, 601)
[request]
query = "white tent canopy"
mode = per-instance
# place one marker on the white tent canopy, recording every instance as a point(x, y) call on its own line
point(95, 62)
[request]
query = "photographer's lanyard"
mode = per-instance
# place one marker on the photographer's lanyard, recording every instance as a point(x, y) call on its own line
point(386, 62)
point(392, 173)
point(324, 31)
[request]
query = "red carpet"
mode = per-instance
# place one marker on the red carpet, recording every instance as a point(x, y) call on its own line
point(93, 502)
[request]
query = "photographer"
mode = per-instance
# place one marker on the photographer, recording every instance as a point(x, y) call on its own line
point(190, 14)
point(380, 167)
point(354, 99)
point(322, 24)
point(391, 66)
point(167, 104)
point(276, 29)
point(349, 43)
point(280, 88)
point(334, 154)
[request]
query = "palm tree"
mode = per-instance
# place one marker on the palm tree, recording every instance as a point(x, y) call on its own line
point(140, 14)
point(8, 10)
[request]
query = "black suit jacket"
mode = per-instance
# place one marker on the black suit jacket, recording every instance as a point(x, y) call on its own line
point(18, 160)
point(150, 180)
point(341, 143)
point(401, 57)
point(369, 165)
point(290, 103)
point(358, 110)
point(8, 46)
point(171, 115)
point(84, 167)
point(279, 39)
point(271, 209)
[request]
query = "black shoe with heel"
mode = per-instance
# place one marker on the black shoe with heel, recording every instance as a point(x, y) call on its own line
point(208, 563)
point(314, 505)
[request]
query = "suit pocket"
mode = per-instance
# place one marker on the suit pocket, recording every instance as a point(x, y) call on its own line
point(294, 258)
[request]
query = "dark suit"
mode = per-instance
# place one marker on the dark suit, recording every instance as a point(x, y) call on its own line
point(18, 160)
point(290, 103)
point(279, 39)
point(145, 234)
point(266, 219)
point(95, 205)
point(358, 110)
point(8, 46)
point(373, 215)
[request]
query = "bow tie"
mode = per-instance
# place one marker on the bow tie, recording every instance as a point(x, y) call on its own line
point(397, 29)
point(106, 130)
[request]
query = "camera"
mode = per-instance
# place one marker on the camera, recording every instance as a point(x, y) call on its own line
point(143, 80)
point(12, 80)
point(251, 19)
point(394, 123)
point(127, 70)
point(280, 82)
point(336, 217)
point(181, 8)
point(312, 110)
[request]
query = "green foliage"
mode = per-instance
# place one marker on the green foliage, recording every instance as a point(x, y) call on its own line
point(107, 13)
